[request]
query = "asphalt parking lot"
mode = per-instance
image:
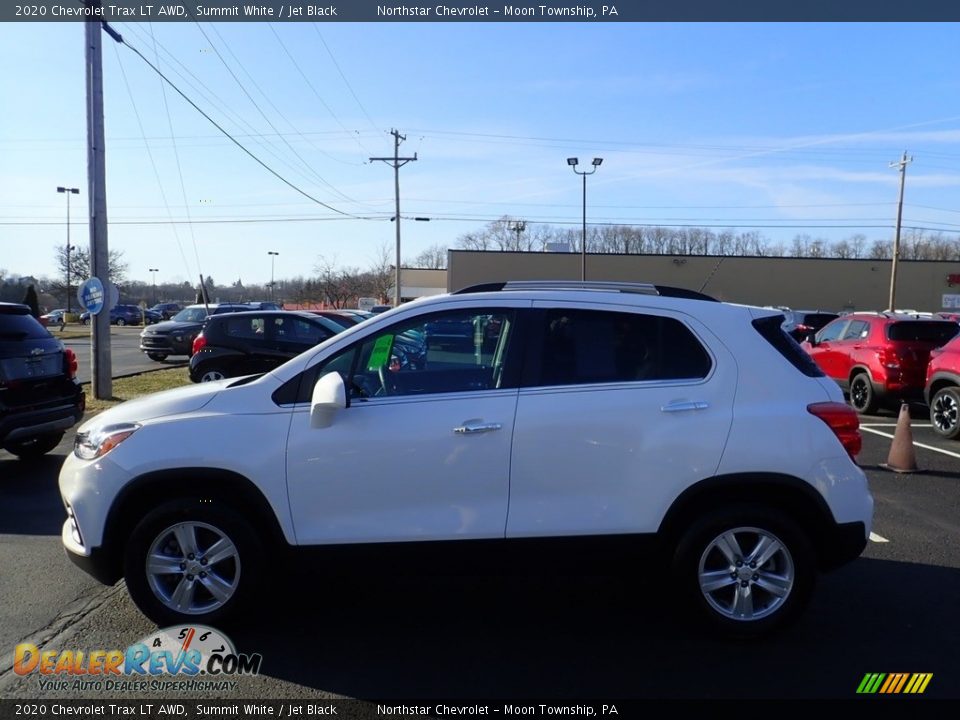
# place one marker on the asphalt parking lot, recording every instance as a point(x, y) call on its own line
point(446, 636)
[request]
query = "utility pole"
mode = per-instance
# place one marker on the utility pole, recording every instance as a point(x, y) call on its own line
point(397, 162)
point(69, 191)
point(902, 164)
point(518, 226)
point(100, 361)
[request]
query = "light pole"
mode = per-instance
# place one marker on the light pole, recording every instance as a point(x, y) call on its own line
point(273, 256)
point(572, 162)
point(153, 272)
point(69, 192)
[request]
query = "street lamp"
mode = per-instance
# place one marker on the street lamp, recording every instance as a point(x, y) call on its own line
point(572, 162)
point(273, 256)
point(69, 192)
point(153, 272)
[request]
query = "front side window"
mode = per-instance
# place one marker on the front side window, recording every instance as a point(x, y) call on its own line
point(589, 346)
point(833, 331)
point(857, 330)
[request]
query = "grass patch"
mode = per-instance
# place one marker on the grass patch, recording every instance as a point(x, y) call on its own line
point(131, 387)
point(70, 333)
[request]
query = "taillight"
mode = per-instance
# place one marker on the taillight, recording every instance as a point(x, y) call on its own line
point(70, 363)
point(198, 342)
point(804, 328)
point(890, 358)
point(844, 422)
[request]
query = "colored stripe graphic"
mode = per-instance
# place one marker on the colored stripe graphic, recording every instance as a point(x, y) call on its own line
point(894, 683)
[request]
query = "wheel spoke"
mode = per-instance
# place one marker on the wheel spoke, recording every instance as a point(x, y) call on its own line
point(728, 545)
point(158, 564)
point(766, 548)
point(218, 587)
point(221, 550)
point(715, 580)
point(774, 584)
point(743, 602)
point(182, 597)
point(186, 536)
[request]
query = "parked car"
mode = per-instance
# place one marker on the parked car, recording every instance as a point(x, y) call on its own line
point(879, 358)
point(54, 318)
point(268, 305)
point(800, 323)
point(175, 336)
point(632, 430)
point(342, 319)
point(151, 316)
point(122, 315)
point(360, 315)
point(377, 309)
point(40, 397)
point(246, 343)
point(942, 390)
point(167, 310)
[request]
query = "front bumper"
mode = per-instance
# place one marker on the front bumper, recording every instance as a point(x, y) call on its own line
point(166, 344)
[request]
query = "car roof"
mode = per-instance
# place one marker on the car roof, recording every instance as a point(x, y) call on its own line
point(14, 308)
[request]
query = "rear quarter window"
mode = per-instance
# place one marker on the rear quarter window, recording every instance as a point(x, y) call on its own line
point(770, 328)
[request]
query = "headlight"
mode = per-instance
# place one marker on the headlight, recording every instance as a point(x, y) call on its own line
point(91, 445)
point(178, 338)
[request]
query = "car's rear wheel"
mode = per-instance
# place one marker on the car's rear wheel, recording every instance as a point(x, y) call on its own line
point(748, 570)
point(34, 447)
point(121, 322)
point(862, 397)
point(159, 357)
point(945, 412)
point(211, 374)
point(192, 560)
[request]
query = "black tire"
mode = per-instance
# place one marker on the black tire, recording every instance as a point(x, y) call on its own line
point(159, 357)
point(34, 447)
point(121, 322)
point(945, 412)
point(85, 321)
point(862, 397)
point(791, 569)
point(212, 520)
point(211, 373)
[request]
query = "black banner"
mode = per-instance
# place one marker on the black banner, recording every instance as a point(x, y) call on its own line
point(480, 11)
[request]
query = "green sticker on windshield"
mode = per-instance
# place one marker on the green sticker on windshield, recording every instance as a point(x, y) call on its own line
point(381, 353)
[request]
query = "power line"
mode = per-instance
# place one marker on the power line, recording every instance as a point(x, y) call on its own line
point(233, 139)
point(344, 77)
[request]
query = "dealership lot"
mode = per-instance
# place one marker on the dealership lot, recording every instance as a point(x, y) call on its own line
point(894, 610)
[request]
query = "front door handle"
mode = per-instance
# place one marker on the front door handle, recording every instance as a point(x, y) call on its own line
point(685, 406)
point(473, 427)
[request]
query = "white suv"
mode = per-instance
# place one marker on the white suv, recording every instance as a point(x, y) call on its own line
point(515, 420)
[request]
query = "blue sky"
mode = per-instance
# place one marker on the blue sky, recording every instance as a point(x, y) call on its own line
point(732, 125)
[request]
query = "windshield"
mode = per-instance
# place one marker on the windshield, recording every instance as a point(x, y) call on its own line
point(194, 314)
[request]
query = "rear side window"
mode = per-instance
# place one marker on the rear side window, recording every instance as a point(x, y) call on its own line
point(588, 346)
point(771, 330)
point(21, 327)
point(937, 333)
point(251, 328)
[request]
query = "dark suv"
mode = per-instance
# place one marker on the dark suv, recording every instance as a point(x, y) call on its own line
point(879, 357)
point(800, 323)
point(39, 395)
point(175, 336)
point(167, 310)
point(255, 342)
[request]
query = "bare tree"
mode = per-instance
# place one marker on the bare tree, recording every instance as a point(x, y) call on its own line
point(433, 258)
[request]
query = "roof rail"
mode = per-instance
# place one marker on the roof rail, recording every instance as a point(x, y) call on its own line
point(589, 286)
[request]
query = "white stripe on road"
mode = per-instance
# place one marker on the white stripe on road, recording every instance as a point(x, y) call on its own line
point(877, 538)
point(919, 445)
point(893, 425)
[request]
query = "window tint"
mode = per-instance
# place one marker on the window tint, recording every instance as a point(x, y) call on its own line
point(858, 329)
point(923, 331)
point(250, 328)
point(586, 346)
point(17, 326)
point(299, 330)
point(833, 331)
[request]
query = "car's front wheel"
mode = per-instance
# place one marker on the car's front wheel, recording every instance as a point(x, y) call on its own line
point(121, 322)
point(34, 447)
point(945, 412)
point(212, 373)
point(862, 397)
point(192, 560)
point(748, 570)
point(159, 357)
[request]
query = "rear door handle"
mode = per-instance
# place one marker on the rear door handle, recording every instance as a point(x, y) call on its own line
point(685, 406)
point(473, 427)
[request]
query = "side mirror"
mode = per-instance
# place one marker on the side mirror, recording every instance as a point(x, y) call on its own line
point(329, 396)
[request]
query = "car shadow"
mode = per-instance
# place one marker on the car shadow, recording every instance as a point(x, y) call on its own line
point(597, 637)
point(30, 498)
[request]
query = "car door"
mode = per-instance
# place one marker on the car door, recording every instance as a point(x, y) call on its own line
point(846, 349)
point(422, 452)
point(825, 352)
point(620, 409)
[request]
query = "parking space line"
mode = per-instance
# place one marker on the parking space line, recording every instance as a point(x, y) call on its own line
point(919, 445)
point(877, 538)
point(893, 425)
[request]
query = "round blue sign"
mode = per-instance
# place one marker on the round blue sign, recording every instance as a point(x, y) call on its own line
point(91, 295)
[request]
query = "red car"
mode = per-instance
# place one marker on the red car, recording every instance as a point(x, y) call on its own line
point(942, 392)
point(879, 358)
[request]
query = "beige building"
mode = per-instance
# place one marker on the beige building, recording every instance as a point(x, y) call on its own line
point(806, 283)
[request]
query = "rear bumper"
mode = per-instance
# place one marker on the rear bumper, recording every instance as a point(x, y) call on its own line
point(847, 543)
point(889, 392)
point(16, 426)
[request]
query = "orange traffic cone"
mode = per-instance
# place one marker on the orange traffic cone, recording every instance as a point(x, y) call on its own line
point(902, 458)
